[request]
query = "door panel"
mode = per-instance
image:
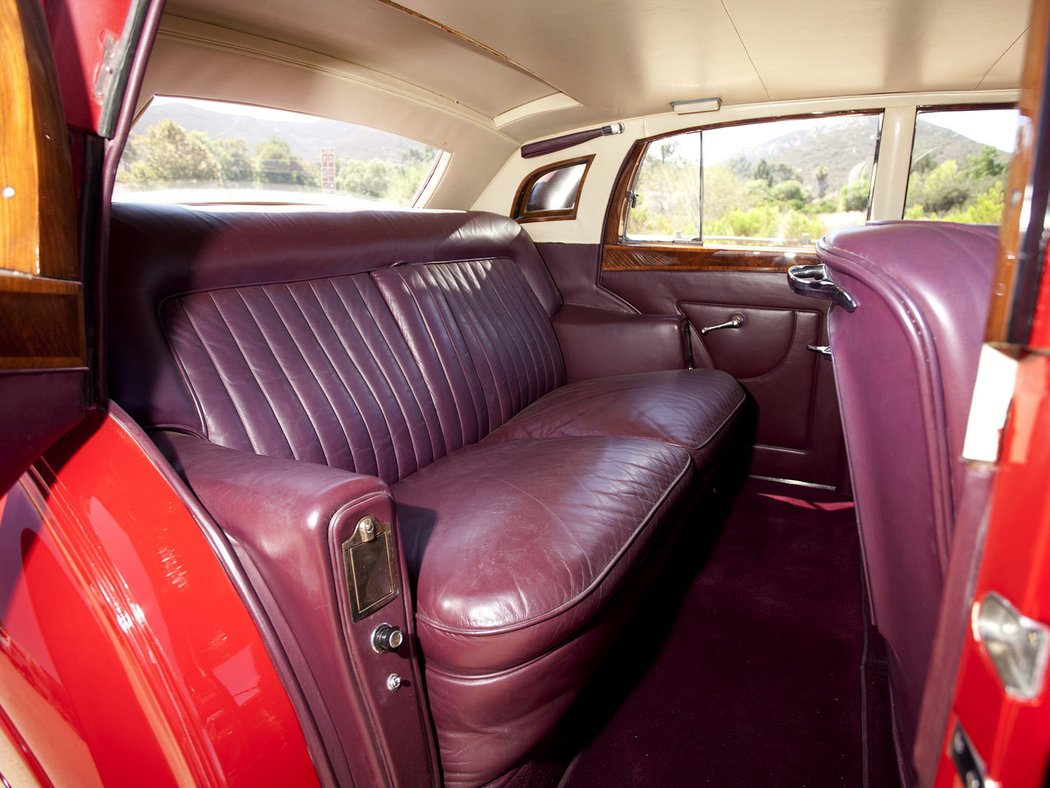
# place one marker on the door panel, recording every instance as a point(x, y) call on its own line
point(798, 433)
point(734, 349)
point(768, 355)
point(127, 656)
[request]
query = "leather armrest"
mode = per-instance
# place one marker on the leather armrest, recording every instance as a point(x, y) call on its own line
point(289, 517)
point(264, 499)
point(597, 343)
point(287, 521)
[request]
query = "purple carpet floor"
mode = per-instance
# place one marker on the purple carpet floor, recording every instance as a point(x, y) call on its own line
point(744, 668)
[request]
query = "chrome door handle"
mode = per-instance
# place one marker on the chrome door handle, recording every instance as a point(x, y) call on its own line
point(735, 321)
point(1019, 647)
point(824, 350)
point(815, 281)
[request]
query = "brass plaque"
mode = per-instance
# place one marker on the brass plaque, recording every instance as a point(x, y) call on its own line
point(371, 567)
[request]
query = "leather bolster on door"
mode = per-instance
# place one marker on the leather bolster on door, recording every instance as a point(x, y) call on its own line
point(598, 343)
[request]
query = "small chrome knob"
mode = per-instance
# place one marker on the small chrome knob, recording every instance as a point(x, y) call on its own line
point(393, 682)
point(387, 638)
point(367, 528)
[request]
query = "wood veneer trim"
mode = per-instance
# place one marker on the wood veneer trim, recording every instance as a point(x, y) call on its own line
point(1020, 177)
point(37, 229)
point(664, 257)
point(41, 328)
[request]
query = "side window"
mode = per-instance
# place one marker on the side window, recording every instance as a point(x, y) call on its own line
point(665, 202)
point(552, 191)
point(958, 164)
point(197, 151)
point(777, 183)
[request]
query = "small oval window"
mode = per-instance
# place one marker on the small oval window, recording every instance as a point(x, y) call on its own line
point(552, 191)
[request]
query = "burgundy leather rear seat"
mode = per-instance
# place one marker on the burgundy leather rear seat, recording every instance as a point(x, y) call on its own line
point(479, 342)
point(415, 348)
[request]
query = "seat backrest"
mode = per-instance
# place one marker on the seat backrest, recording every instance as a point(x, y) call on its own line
point(905, 365)
point(373, 342)
point(481, 348)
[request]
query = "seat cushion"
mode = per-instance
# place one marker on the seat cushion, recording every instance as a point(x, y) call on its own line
point(690, 408)
point(513, 545)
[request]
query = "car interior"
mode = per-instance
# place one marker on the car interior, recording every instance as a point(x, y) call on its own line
point(582, 387)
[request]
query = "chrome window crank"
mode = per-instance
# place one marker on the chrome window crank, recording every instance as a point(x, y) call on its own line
point(735, 321)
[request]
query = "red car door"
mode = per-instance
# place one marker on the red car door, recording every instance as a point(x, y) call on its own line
point(127, 653)
point(998, 730)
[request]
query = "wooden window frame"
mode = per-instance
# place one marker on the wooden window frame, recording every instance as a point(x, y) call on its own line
point(1019, 268)
point(620, 254)
point(518, 211)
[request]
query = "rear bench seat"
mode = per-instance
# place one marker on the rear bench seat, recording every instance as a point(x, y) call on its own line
point(414, 354)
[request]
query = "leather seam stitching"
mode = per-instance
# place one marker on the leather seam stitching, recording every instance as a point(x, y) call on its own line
point(479, 342)
point(368, 386)
point(427, 410)
point(445, 368)
point(183, 373)
point(335, 369)
point(284, 323)
point(255, 378)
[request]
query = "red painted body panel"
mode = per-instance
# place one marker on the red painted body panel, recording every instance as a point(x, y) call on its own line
point(126, 655)
point(78, 38)
point(1012, 736)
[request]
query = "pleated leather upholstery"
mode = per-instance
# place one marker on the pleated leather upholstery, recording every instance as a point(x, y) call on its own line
point(158, 252)
point(315, 371)
point(321, 371)
point(480, 337)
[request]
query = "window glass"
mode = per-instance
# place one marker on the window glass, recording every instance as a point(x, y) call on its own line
point(958, 164)
point(773, 183)
point(665, 199)
point(190, 150)
point(556, 190)
point(552, 192)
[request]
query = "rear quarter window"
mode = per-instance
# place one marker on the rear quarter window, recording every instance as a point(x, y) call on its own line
point(552, 191)
point(189, 150)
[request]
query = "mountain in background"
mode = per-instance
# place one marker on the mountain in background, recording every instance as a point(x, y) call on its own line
point(838, 147)
point(306, 139)
point(841, 147)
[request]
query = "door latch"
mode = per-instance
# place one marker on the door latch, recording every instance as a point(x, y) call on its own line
point(1018, 645)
